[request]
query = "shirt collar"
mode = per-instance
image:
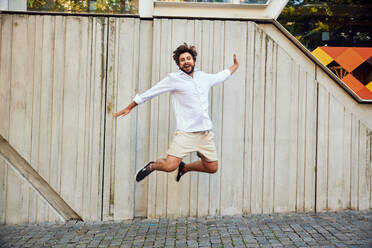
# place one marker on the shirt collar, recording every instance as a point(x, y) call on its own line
point(182, 73)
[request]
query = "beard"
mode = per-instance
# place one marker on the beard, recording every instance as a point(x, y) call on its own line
point(188, 72)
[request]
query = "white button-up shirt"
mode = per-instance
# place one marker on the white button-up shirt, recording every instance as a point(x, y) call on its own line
point(189, 97)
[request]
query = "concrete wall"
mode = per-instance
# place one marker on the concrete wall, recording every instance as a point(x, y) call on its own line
point(288, 138)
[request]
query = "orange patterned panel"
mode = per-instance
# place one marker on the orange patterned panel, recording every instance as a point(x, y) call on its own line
point(334, 52)
point(364, 52)
point(353, 83)
point(365, 93)
point(349, 59)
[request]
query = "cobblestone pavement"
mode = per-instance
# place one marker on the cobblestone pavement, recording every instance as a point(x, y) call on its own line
point(342, 229)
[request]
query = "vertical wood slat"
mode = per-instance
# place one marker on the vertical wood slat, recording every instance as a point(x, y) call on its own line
point(216, 114)
point(143, 115)
point(310, 140)
point(205, 54)
point(193, 178)
point(154, 117)
point(19, 123)
point(164, 112)
point(248, 132)
point(178, 193)
point(347, 165)
point(301, 143)
point(335, 161)
point(354, 178)
point(121, 135)
point(322, 160)
point(286, 134)
point(269, 128)
point(5, 58)
point(258, 122)
point(364, 170)
point(36, 102)
point(233, 121)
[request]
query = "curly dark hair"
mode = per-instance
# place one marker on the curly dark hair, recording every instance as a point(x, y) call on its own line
point(183, 49)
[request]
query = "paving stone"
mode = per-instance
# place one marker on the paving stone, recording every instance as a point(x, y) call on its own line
point(341, 229)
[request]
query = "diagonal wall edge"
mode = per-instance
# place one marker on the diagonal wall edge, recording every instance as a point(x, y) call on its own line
point(9, 154)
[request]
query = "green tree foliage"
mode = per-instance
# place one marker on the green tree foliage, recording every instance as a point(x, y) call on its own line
point(100, 6)
point(332, 22)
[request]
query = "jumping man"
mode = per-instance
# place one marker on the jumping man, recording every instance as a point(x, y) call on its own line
point(189, 88)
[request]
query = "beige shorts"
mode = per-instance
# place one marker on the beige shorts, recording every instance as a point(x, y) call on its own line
point(187, 142)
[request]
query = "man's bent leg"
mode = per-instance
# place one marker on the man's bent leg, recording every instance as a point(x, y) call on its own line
point(202, 166)
point(169, 164)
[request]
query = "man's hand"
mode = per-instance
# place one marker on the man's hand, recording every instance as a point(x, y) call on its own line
point(125, 111)
point(235, 65)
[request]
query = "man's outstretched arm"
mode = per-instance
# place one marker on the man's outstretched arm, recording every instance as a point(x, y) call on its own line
point(234, 66)
point(126, 111)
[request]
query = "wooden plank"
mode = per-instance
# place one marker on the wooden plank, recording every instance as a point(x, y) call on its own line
point(143, 115)
point(5, 72)
point(258, 122)
point(269, 127)
point(111, 101)
point(164, 112)
point(82, 87)
point(97, 109)
point(310, 159)
point(154, 116)
point(233, 121)
point(19, 134)
point(8, 153)
point(70, 131)
point(322, 151)
point(335, 161)
point(189, 183)
point(248, 134)
point(286, 134)
point(45, 109)
point(194, 33)
point(5, 57)
point(3, 190)
point(364, 170)
point(354, 170)
point(205, 62)
point(216, 114)
point(178, 193)
point(301, 141)
point(346, 160)
point(127, 78)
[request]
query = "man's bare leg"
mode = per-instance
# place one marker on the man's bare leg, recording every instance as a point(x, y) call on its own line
point(168, 164)
point(202, 166)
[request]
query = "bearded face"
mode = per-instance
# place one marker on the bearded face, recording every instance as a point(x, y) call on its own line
point(186, 63)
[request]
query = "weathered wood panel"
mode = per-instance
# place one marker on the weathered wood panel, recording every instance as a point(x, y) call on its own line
point(52, 101)
point(278, 125)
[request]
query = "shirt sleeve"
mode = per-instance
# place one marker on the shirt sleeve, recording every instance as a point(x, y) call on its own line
point(220, 77)
point(162, 86)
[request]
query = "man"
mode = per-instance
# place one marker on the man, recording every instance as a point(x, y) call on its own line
point(189, 88)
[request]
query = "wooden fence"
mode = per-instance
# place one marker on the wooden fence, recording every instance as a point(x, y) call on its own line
point(288, 137)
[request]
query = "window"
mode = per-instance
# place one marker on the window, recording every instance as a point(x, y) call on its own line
point(219, 1)
point(85, 6)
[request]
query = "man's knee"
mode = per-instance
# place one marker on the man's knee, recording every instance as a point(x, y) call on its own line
point(211, 166)
point(171, 164)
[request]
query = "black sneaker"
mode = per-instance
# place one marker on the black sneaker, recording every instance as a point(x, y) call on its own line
point(144, 172)
point(181, 171)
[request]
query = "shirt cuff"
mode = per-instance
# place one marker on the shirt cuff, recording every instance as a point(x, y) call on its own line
point(138, 99)
point(227, 71)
